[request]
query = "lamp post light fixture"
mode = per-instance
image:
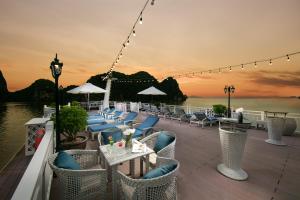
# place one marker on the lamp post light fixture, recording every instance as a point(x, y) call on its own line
point(229, 89)
point(56, 68)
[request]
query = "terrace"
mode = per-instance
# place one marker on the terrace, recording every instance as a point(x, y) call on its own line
point(273, 170)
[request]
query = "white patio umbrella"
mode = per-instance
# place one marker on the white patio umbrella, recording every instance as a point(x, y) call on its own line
point(153, 91)
point(88, 89)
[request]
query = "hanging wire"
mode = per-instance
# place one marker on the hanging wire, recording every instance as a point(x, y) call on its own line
point(127, 40)
point(242, 66)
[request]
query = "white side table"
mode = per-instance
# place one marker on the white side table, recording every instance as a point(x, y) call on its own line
point(31, 127)
point(232, 143)
point(275, 130)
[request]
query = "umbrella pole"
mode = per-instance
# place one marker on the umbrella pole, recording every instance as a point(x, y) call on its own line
point(88, 104)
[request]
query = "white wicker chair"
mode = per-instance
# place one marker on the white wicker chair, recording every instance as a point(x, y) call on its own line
point(166, 152)
point(162, 188)
point(88, 183)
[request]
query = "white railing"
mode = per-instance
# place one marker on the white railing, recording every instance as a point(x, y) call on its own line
point(36, 181)
point(251, 115)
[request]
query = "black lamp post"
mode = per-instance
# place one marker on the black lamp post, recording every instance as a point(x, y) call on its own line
point(61, 92)
point(229, 89)
point(56, 68)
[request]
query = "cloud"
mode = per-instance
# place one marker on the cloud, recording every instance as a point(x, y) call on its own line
point(276, 78)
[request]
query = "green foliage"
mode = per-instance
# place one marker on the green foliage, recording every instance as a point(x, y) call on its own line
point(75, 103)
point(72, 120)
point(219, 109)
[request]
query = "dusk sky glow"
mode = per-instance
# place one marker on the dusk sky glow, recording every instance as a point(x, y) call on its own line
point(176, 37)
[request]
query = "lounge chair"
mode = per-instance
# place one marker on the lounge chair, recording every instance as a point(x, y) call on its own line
point(88, 182)
point(102, 120)
point(201, 118)
point(128, 120)
point(145, 127)
point(180, 115)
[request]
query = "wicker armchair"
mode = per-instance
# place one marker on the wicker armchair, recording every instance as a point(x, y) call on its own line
point(162, 188)
point(166, 152)
point(88, 183)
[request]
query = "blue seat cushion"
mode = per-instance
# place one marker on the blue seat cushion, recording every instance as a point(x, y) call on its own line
point(160, 171)
point(96, 121)
point(162, 141)
point(116, 134)
point(66, 161)
point(97, 128)
point(149, 122)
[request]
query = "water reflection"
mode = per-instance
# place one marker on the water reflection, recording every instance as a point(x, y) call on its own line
point(13, 116)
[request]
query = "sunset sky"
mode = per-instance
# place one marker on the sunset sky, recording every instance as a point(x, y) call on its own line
point(177, 36)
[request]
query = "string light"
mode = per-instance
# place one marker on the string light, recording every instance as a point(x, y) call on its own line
point(141, 19)
point(269, 60)
point(127, 41)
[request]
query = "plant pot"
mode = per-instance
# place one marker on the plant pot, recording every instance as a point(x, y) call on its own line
point(80, 143)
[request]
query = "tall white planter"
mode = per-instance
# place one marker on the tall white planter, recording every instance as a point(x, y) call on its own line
point(232, 143)
point(275, 130)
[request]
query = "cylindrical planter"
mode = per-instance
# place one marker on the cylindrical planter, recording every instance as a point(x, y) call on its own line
point(275, 130)
point(232, 143)
point(289, 127)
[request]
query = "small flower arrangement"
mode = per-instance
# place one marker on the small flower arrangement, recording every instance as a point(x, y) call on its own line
point(128, 136)
point(111, 141)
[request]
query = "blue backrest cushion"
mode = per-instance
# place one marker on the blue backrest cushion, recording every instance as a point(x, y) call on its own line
point(150, 121)
point(66, 161)
point(131, 116)
point(160, 171)
point(162, 141)
point(116, 134)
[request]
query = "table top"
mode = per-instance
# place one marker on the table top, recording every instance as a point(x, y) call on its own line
point(37, 121)
point(121, 154)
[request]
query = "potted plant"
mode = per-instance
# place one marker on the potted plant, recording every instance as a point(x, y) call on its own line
point(219, 110)
point(72, 121)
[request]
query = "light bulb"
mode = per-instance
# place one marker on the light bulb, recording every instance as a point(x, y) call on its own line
point(121, 55)
point(242, 66)
point(127, 43)
point(230, 68)
point(270, 63)
point(141, 20)
point(133, 33)
point(255, 65)
point(287, 58)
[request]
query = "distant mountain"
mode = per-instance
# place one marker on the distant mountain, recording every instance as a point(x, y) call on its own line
point(41, 90)
point(125, 88)
point(3, 87)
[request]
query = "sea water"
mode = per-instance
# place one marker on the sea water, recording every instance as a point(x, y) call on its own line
point(13, 116)
point(290, 105)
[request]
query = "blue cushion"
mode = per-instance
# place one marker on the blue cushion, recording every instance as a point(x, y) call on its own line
point(97, 128)
point(96, 121)
point(66, 161)
point(150, 121)
point(162, 141)
point(116, 134)
point(160, 171)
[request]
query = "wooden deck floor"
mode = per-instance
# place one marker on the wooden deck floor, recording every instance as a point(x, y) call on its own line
point(274, 171)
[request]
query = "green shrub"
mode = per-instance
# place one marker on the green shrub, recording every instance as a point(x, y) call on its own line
point(72, 121)
point(219, 109)
point(75, 103)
